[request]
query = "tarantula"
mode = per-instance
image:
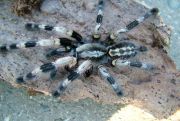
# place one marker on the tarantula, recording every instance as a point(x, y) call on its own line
point(95, 54)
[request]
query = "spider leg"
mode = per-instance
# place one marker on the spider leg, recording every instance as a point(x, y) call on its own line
point(120, 63)
point(103, 72)
point(49, 68)
point(58, 29)
point(65, 42)
point(133, 24)
point(83, 69)
point(96, 35)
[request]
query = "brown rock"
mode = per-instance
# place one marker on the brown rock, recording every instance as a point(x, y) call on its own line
point(152, 89)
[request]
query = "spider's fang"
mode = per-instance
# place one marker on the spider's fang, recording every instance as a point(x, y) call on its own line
point(103, 72)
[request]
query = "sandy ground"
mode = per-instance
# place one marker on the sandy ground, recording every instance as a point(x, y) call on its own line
point(157, 92)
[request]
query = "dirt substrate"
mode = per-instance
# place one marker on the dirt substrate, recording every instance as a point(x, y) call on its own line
point(157, 91)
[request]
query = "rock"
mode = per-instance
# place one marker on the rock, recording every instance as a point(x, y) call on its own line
point(50, 6)
point(25, 7)
point(144, 91)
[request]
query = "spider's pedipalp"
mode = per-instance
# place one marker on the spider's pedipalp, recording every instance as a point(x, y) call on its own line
point(81, 70)
point(50, 68)
point(58, 29)
point(131, 25)
point(103, 72)
point(121, 63)
point(57, 52)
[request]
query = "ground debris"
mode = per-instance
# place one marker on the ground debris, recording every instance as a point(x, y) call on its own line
point(25, 7)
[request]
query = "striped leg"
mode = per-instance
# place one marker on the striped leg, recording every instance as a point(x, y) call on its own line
point(48, 68)
point(137, 64)
point(133, 24)
point(67, 43)
point(103, 72)
point(83, 69)
point(58, 29)
point(96, 35)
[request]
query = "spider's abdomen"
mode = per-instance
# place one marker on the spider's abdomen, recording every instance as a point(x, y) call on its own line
point(122, 50)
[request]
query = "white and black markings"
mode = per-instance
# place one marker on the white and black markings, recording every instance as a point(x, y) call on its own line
point(133, 24)
point(103, 72)
point(122, 50)
point(91, 46)
point(58, 29)
point(55, 42)
point(91, 50)
point(49, 68)
point(83, 69)
point(99, 19)
point(125, 50)
point(92, 54)
point(137, 64)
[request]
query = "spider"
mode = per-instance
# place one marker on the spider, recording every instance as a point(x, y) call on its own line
point(91, 56)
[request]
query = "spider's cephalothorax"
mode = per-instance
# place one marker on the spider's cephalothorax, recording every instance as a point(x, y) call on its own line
point(90, 53)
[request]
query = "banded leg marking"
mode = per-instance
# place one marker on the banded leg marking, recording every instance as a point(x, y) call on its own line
point(99, 19)
point(137, 64)
point(58, 29)
point(83, 69)
point(103, 72)
point(65, 42)
point(49, 68)
point(133, 24)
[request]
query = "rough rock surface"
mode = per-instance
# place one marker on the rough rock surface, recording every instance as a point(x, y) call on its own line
point(156, 91)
